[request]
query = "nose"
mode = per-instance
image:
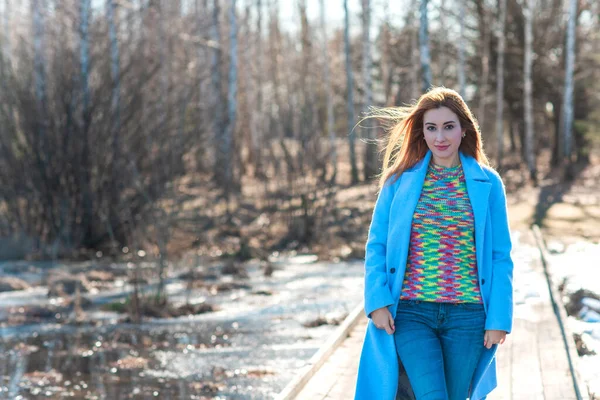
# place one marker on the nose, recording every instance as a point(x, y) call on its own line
point(439, 136)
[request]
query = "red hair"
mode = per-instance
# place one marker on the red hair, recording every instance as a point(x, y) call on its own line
point(405, 146)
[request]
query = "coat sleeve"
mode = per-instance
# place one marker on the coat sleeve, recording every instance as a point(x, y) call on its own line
point(377, 292)
point(500, 305)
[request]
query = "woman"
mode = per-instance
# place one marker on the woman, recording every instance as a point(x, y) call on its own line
point(438, 270)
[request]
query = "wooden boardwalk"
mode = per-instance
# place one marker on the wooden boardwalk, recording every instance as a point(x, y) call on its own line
point(532, 364)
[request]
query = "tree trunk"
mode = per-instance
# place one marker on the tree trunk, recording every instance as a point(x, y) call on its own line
point(461, 50)
point(415, 72)
point(276, 130)
point(307, 101)
point(85, 52)
point(387, 67)
point(7, 43)
point(512, 131)
point(442, 56)
point(424, 47)
point(40, 143)
point(259, 120)
point(217, 87)
point(529, 134)
point(164, 103)
point(329, 98)
point(86, 117)
point(7, 65)
point(116, 164)
point(557, 118)
point(203, 129)
point(500, 85)
point(370, 165)
point(115, 75)
point(37, 9)
point(567, 107)
point(227, 142)
point(350, 95)
point(484, 32)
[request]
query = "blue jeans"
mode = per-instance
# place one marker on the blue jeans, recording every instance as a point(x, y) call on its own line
point(439, 345)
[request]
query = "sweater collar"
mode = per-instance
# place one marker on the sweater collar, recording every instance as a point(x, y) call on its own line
point(471, 167)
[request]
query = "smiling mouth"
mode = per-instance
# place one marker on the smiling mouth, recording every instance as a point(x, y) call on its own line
point(442, 147)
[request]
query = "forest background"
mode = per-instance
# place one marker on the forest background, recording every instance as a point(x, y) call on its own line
point(154, 128)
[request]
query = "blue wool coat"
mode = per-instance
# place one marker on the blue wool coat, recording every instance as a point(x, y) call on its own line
point(385, 262)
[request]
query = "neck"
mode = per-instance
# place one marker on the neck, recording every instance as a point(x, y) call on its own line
point(447, 163)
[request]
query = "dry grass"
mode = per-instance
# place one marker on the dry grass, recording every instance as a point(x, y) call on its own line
point(568, 211)
point(267, 216)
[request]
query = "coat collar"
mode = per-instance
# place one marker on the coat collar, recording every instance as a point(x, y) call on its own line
point(472, 168)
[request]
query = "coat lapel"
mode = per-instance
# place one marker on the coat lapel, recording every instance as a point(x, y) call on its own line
point(478, 188)
point(405, 201)
point(412, 184)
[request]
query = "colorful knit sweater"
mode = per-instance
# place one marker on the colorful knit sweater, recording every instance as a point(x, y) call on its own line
point(441, 264)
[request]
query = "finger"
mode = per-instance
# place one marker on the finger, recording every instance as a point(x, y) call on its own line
point(388, 329)
point(391, 320)
point(486, 338)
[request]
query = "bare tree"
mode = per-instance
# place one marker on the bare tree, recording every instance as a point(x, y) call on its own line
point(500, 82)
point(416, 70)
point(40, 142)
point(275, 47)
point(163, 106)
point(306, 92)
point(461, 49)
point(484, 33)
point(568, 91)
point(5, 68)
point(37, 11)
point(442, 55)
point(529, 135)
point(217, 88)
point(424, 47)
point(387, 69)
point(370, 165)
point(350, 94)
point(329, 96)
point(259, 117)
point(116, 164)
point(6, 48)
point(85, 175)
point(226, 148)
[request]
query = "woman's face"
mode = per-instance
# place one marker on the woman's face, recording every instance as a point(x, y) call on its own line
point(443, 135)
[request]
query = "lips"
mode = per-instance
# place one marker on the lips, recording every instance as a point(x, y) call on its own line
point(442, 148)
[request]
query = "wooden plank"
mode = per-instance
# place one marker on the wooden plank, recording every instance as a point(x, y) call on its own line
point(504, 362)
point(526, 377)
point(338, 374)
point(556, 376)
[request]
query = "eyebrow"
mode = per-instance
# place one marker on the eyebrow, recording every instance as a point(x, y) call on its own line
point(447, 122)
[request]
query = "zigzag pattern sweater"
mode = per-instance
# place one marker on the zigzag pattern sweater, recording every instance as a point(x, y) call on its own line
point(441, 264)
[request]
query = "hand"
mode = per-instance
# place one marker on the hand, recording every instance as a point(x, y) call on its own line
point(492, 337)
point(382, 318)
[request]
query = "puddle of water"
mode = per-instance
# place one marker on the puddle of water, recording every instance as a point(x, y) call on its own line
point(251, 348)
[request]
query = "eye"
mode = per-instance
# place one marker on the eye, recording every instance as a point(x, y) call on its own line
point(449, 127)
point(430, 128)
